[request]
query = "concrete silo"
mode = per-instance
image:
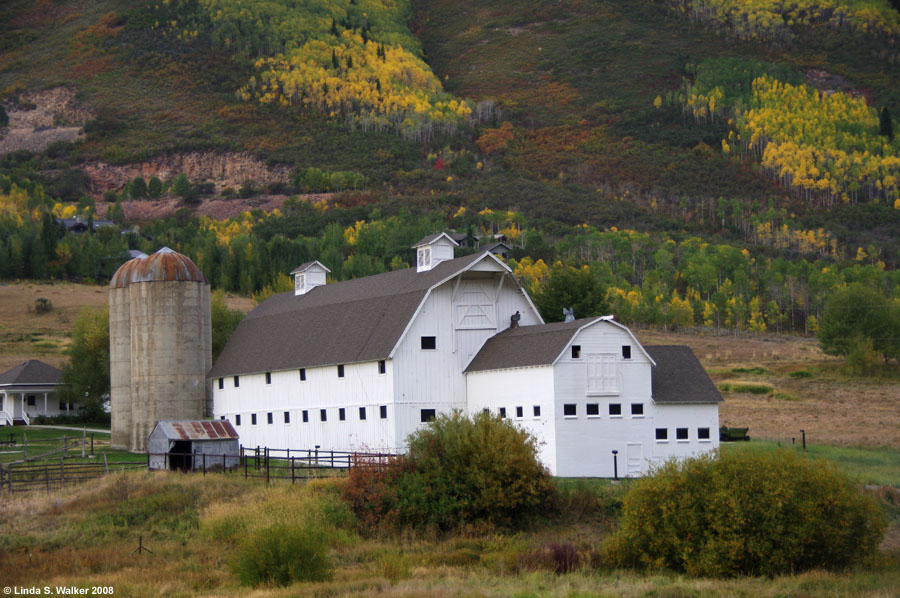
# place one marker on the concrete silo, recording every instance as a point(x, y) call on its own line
point(160, 345)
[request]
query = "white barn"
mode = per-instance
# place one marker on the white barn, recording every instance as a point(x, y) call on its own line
point(361, 364)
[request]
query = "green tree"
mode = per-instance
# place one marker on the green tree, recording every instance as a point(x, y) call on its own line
point(86, 374)
point(859, 312)
point(181, 186)
point(568, 286)
point(154, 187)
point(137, 189)
point(885, 126)
point(4, 118)
point(223, 321)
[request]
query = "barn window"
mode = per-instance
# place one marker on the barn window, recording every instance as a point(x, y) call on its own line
point(662, 434)
point(222, 418)
point(237, 419)
point(520, 412)
point(626, 351)
point(323, 415)
point(341, 370)
point(237, 381)
point(593, 409)
point(302, 374)
point(502, 412)
point(576, 351)
point(305, 416)
point(269, 418)
point(702, 433)
point(601, 371)
point(429, 342)
point(570, 410)
point(615, 410)
point(427, 415)
point(382, 367)
point(342, 414)
point(287, 417)
point(537, 410)
point(637, 409)
point(221, 383)
point(681, 433)
point(252, 419)
point(383, 411)
point(362, 413)
point(268, 377)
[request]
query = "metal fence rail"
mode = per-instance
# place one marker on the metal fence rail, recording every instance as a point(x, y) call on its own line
point(25, 477)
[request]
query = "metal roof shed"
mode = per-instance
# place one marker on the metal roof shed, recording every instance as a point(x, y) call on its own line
point(184, 445)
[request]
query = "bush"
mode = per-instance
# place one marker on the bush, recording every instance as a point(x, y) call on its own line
point(154, 187)
point(745, 514)
point(281, 554)
point(757, 388)
point(42, 305)
point(800, 374)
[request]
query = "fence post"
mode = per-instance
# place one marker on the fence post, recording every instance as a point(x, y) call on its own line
point(47, 478)
point(224, 468)
point(148, 460)
point(204, 463)
point(245, 468)
point(62, 471)
point(267, 465)
point(332, 458)
point(92, 443)
point(105, 463)
point(292, 470)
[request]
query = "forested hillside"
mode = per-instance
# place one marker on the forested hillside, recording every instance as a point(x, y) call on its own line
point(727, 164)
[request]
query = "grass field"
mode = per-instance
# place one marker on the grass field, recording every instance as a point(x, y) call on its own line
point(40, 441)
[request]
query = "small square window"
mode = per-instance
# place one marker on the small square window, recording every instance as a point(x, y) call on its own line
point(615, 409)
point(537, 410)
point(502, 412)
point(703, 433)
point(222, 418)
point(681, 433)
point(662, 433)
point(592, 409)
point(342, 414)
point(305, 416)
point(429, 342)
point(520, 412)
point(576, 351)
point(362, 413)
point(341, 370)
point(269, 418)
point(237, 381)
point(637, 409)
point(268, 377)
point(31, 401)
point(302, 374)
point(287, 417)
point(252, 419)
point(382, 410)
point(382, 367)
point(427, 415)
point(323, 415)
point(626, 351)
point(570, 410)
point(237, 419)
point(221, 383)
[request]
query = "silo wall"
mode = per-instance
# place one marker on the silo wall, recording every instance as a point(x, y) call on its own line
point(120, 367)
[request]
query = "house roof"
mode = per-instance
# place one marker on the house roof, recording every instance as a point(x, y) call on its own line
point(32, 372)
point(197, 430)
point(497, 245)
point(344, 322)
point(432, 238)
point(525, 346)
point(305, 266)
point(679, 378)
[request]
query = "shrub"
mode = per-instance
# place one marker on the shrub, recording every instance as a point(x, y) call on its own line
point(42, 305)
point(757, 388)
point(281, 554)
point(753, 370)
point(558, 558)
point(800, 374)
point(745, 514)
point(154, 187)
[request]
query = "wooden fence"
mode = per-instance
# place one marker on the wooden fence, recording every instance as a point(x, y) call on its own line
point(22, 477)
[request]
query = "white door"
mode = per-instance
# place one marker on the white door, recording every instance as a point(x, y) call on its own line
point(635, 459)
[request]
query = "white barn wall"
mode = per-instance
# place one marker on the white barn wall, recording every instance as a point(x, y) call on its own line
point(691, 417)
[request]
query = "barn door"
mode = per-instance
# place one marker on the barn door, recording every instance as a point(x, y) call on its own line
point(635, 459)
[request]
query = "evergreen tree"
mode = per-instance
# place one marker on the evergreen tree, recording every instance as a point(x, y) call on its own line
point(334, 61)
point(4, 118)
point(886, 127)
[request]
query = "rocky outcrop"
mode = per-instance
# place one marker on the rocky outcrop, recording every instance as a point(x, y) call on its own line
point(37, 119)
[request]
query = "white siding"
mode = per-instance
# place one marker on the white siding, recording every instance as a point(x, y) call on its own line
point(690, 417)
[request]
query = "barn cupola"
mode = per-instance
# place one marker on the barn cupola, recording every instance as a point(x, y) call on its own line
point(432, 250)
point(309, 276)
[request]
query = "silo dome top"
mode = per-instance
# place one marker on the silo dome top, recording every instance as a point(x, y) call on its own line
point(162, 266)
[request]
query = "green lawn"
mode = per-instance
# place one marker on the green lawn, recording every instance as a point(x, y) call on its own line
point(45, 440)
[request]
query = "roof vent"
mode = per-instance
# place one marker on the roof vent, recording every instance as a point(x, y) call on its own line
point(432, 250)
point(309, 276)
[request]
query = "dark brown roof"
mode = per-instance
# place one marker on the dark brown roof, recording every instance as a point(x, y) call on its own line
point(31, 372)
point(344, 322)
point(433, 238)
point(525, 346)
point(679, 378)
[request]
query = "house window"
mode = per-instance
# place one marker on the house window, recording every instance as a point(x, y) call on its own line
point(302, 374)
point(269, 418)
point(382, 367)
point(626, 351)
point(323, 415)
point(237, 381)
point(383, 411)
point(537, 410)
point(637, 409)
point(429, 342)
point(222, 418)
point(424, 257)
point(362, 413)
point(592, 409)
point(681, 433)
point(237, 419)
point(520, 412)
point(502, 412)
point(252, 419)
point(30, 400)
point(570, 410)
point(342, 414)
point(221, 383)
point(602, 373)
point(300, 282)
point(615, 410)
point(268, 377)
point(702, 433)
point(287, 417)
point(305, 416)
point(662, 434)
point(341, 370)
point(427, 415)
point(576, 351)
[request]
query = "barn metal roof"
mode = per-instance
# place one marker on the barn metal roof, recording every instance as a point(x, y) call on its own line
point(197, 430)
point(163, 266)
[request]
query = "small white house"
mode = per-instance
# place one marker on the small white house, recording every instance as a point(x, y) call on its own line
point(29, 390)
